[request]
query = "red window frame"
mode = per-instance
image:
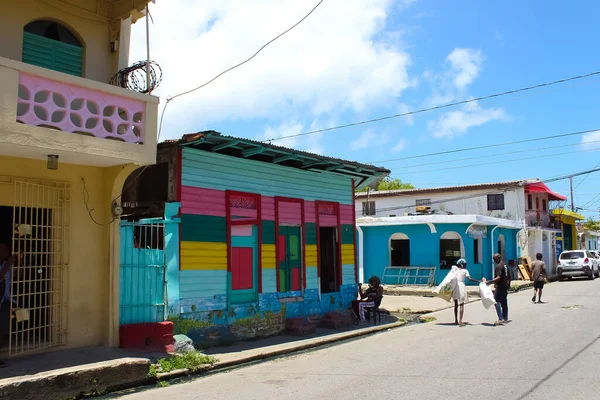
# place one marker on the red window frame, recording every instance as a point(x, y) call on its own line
point(229, 222)
point(281, 199)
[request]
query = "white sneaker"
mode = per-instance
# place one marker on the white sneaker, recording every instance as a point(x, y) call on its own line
point(499, 322)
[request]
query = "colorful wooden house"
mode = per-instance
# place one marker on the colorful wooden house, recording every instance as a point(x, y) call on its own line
point(267, 233)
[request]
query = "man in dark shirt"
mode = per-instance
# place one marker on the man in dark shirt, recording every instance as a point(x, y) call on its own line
point(538, 270)
point(501, 289)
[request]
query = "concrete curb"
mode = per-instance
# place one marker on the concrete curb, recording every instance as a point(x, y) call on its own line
point(428, 292)
point(73, 382)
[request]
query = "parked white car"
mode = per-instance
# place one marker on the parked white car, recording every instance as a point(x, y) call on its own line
point(573, 263)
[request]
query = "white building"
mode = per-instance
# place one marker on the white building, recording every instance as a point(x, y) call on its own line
point(526, 201)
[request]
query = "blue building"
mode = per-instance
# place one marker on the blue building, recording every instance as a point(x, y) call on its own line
point(434, 243)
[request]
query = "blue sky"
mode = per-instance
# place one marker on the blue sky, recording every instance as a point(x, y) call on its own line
point(355, 60)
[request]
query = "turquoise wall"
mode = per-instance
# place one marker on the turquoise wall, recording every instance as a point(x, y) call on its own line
point(217, 171)
point(425, 248)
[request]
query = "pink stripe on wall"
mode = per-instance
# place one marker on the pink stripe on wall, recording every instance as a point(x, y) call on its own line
point(268, 208)
point(202, 201)
point(241, 230)
point(346, 214)
point(309, 212)
point(244, 212)
point(290, 213)
point(327, 220)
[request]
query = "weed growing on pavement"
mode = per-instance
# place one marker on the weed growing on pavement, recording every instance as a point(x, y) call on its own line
point(163, 384)
point(573, 307)
point(427, 319)
point(192, 361)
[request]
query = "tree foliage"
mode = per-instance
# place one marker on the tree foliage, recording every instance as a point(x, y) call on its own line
point(591, 225)
point(390, 183)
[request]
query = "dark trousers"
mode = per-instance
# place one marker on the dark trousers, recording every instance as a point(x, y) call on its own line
point(501, 297)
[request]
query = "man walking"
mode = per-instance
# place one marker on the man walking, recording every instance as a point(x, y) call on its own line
point(538, 270)
point(501, 282)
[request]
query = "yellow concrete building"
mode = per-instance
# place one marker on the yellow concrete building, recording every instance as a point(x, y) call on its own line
point(68, 141)
point(568, 220)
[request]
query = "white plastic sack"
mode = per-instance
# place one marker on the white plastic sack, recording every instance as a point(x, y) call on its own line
point(487, 297)
point(446, 287)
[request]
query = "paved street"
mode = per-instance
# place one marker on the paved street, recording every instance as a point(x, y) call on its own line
point(548, 351)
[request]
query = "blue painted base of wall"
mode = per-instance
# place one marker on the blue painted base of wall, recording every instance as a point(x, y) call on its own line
point(259, 319)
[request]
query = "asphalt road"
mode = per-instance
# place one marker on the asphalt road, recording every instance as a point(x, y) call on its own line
point(547, 351)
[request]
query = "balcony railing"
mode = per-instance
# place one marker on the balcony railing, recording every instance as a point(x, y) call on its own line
point(537, 218)
point(102, 119)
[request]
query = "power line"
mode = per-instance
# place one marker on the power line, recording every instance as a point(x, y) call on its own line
point(498, 162)
point(369, 121)
point(501, 154)
point(169, 99)
point(487, 146)
point(486, 193)
point(232, 68)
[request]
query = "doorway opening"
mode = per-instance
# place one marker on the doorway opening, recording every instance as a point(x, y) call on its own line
point(399, 250)
point(328, 257)
point(30, 279)
point(451, 249)
point(35, 227)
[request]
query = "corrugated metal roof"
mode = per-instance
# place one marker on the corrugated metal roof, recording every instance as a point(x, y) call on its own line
point(238, 147)
point(197, 136)
point(407, 192)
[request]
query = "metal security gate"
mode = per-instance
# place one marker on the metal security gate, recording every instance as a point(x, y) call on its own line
point(143, 268)
point(39, 278)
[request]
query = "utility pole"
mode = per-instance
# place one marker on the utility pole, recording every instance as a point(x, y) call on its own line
point(572, 202)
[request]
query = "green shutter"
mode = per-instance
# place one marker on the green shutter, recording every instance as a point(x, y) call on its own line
point(52, 54)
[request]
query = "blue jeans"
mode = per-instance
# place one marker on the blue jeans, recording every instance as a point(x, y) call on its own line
point(501, 297)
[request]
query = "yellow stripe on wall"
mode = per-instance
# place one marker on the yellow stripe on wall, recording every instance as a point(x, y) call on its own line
point(269, 256)
point(348, 254)
point(311, 255)
point(203, 256)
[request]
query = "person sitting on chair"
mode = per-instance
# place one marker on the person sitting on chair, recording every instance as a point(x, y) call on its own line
point(370, 298)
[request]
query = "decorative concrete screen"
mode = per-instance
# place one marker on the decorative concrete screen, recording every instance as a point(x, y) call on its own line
point(75, 109)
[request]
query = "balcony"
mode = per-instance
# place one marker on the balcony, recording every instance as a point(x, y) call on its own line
point(85, 122)
point(537, 218)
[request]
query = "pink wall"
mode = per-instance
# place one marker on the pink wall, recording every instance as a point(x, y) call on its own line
point(346, 214)
point(309, 211)
point(202, 201)
point(290, 213)
point(327, 220)
point(268, 208)
point(212, 202)
point(79, 109)
point(241, 230)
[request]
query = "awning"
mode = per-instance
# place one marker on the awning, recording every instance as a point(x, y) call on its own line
point(566, 214)
point(539, 187)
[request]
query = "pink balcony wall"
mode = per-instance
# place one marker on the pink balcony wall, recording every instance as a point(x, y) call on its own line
point(75, 109)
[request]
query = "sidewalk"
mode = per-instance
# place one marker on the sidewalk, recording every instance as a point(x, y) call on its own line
point(73, 373)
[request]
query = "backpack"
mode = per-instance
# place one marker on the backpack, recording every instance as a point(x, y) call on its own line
point(506, 279)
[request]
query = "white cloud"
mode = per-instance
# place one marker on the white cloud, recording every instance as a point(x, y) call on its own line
point(403, 109)
point(364, 141)
point(334, 62)
point(593, 137)
point(400, 146)
point(369, 138)
point(456, 123)
point(465, 65)
point(283, 130)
